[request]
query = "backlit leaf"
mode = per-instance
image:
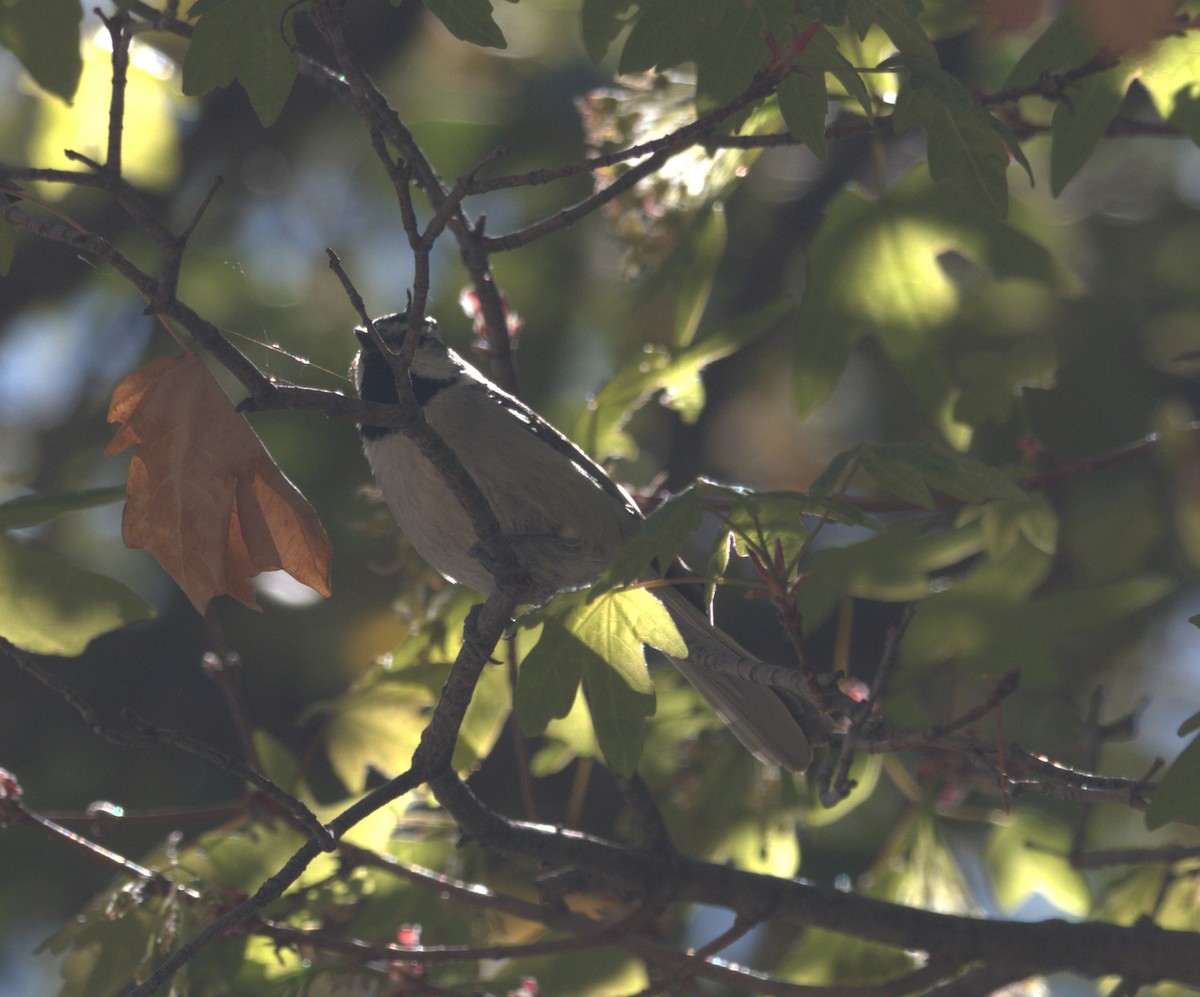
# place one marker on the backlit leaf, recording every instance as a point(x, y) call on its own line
point(1170, 73)
point(875, 270)
point(603, 639)
point(204, 497)
point(600, 430)
point(484, 720)
point(377, 726)
point(50, 606)
point(1027, 855)
point(150, 151)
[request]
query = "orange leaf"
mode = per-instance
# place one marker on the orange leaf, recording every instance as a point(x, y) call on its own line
point(204, 496)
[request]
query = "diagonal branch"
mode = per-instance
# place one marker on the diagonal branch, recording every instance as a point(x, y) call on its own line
point(1024, 948)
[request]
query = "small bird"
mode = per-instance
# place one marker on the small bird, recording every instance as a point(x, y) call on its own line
point(565, 518)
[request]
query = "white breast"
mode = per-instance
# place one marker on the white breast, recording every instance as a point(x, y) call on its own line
point(564, 528)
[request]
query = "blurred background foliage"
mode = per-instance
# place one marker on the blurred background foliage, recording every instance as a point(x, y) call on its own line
point(1081, 347)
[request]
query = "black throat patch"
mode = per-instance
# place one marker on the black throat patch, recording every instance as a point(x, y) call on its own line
point(379, 385)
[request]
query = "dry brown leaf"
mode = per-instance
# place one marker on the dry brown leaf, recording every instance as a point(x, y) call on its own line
point(204, 496)
point(1126, 25)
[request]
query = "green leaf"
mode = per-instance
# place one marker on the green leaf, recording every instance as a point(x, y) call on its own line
point(606, 636)
point(987, 624)
point(601, 22)
point(1176, 798)
point(600, 430)
point(966, 154)
point(437, 638)
point(1030, 518)
point(918, 869)
point(1080, 121)
point(864, 777)
point(594, 970)
point(619, 715)
point(834, 474)
point(202, 7)
point(1027, 855)
point(891, 567)
point(1191, 724)
point(767, 845)
point(30, 510)
point(898, 476)
point(804, 95)
point(694, 265)
point(758, 521)
point(375, 726)
point(730, 52)
point(618, 624)
point(899, 22)
point(44, 35)
point(992, 380)
point(549, 677)
point(804, 103)
point(909, 470)
point(484, 720)
point(1170, 74)
point(822, 55)
point(49, 606)
point(875, 270)
point(244, 40)
point(763, 519)
point(664, 34)
point(8, 246)
point(656, 544)
point(1151, 890)
point(468, 20)
point(276, 762)
point(567, 739)
point(1065, 44)
point(105, 948)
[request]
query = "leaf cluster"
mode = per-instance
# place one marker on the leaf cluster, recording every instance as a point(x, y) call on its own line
point(969, 517)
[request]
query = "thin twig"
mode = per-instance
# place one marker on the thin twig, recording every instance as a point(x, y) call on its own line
point(305, 818)
point(742, 924)
point(147, 733)
point(96, 851)
point(485, 623)
point(839, 785)
point(118, 32)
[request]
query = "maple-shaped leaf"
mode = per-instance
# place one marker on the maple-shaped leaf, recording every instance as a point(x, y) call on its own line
point(204, 497)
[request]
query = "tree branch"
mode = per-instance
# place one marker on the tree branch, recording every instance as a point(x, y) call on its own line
point(1023, 948)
